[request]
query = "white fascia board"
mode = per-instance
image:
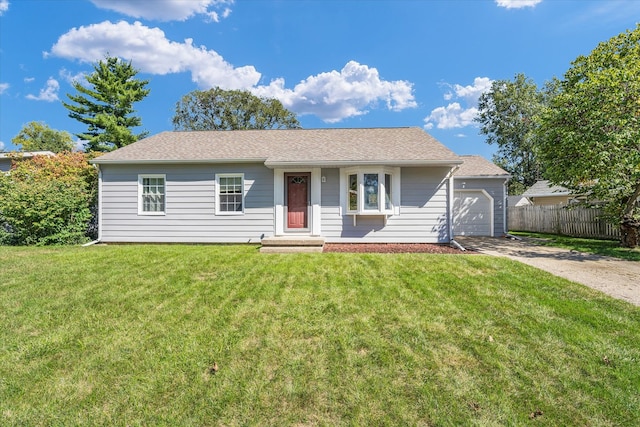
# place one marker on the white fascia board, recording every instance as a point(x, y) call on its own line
point(482, 176)
point(25, 154)
point(174, 161)
point(347, 163)
point(550, 195)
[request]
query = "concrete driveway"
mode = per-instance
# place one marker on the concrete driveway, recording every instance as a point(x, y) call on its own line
point(615, 277)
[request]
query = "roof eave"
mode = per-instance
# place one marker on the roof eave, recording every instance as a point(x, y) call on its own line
point(173, 161)
point(547, 195)
point(346, 163)
point(481, 176)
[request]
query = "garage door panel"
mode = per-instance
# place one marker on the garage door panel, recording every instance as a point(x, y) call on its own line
point(472, 213)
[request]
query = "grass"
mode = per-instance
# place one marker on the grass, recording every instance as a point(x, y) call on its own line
point(127, 335)
point(610, 248)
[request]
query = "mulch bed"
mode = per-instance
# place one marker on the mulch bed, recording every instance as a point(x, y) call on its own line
point(392, 248)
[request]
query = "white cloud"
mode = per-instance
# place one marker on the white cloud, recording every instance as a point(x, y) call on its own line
point(49, 93)
point(4, 6)
point(79, 145)
point(455, 115)
point(167, 10)
point(1, 146)
point(151, 52)
point(215, 16)
point(336, 95)
point(29, 79)
point(70, 78)
point(3, 87)
point(517, 4)
point(332, 96)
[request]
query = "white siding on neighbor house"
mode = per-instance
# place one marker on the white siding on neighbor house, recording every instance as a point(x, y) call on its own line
point(189, 205)
point(422, 218)
point(496, 189)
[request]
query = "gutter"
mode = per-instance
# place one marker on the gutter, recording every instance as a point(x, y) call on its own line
point(282, 164)
point(99, 161)
point(347, 163)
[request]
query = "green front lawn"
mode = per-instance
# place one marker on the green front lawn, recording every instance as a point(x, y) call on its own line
point(128, 335)
point(610, 248)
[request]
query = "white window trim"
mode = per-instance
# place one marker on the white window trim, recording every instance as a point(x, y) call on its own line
point(141, 210)
point(381, 172)
point(217, 195)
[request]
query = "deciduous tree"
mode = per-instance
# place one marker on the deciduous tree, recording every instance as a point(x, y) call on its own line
point(47, 200)
point(590, 131)
point(219, 109)
point(37, 136)
point(506, 115)
point(106, 106)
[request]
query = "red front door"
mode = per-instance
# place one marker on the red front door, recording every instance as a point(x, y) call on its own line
point(297, 199)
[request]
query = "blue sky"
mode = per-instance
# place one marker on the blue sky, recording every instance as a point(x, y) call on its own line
point(347, 63)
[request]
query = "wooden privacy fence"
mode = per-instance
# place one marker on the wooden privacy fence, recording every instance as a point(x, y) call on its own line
point(574, 221)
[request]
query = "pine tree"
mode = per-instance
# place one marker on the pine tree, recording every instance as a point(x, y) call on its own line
point(106, 106)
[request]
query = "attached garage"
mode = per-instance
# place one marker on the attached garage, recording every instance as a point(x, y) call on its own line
point(479, 205)
point(472, 213)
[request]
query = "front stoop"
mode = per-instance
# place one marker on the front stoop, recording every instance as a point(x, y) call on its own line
point(292, 244)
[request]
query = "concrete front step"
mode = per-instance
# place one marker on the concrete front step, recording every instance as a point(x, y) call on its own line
point(289, 244)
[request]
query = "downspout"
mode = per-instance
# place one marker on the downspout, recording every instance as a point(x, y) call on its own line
point(452, 241)
point(505, 217)
point(99, 213)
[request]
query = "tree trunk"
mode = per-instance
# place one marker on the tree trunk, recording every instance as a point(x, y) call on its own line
point(630, 232)
point(630, 227)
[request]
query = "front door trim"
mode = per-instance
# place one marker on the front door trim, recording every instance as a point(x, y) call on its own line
point(279, 196)
point(306, 211)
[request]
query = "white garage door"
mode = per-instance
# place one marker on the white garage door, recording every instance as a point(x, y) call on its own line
point(472, 213)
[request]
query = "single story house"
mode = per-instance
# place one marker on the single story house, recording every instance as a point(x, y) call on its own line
point(395, 185)
point(543, 193)
point(7, 158)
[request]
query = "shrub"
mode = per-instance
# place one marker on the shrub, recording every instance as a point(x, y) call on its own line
point(47, 200)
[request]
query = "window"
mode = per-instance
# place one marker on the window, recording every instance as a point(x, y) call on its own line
point(371, 191)
point(387, 192)
point(371, 188)
point(151, 194)
point(353, 192)
point(230, 194)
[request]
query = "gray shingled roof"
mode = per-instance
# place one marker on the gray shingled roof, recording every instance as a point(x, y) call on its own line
point(544, 188)
point(401, 146)
point(479, 166)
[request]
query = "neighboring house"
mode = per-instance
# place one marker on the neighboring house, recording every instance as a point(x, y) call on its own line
point(480, 192)
point(542, 193)
point(516, 201)
point(7, 158)
point(339, 185)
